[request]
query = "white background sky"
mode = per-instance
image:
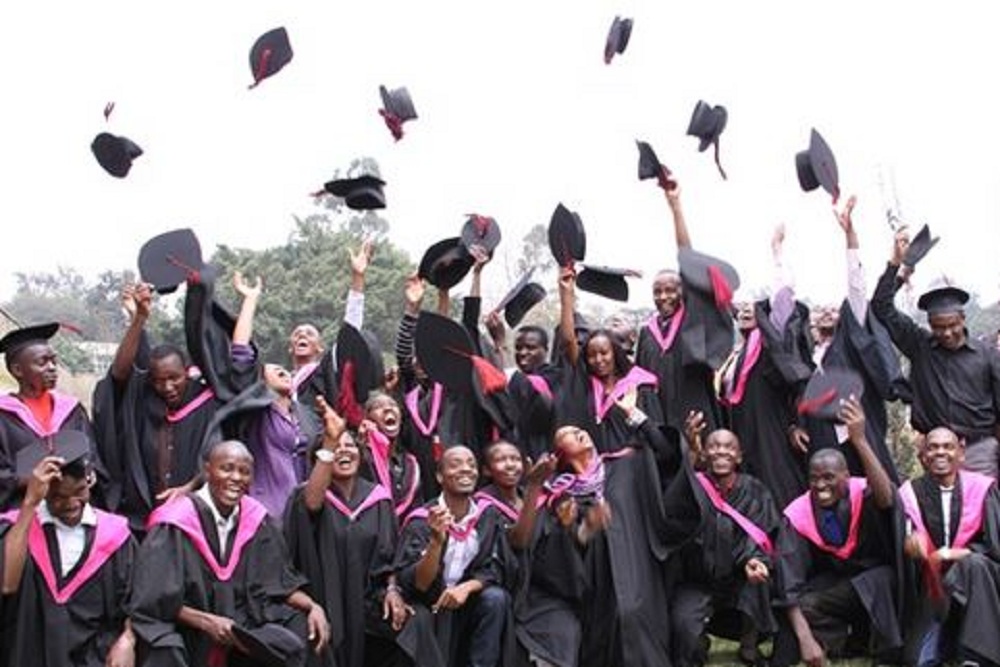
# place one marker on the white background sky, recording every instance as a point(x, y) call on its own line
point(517, 112)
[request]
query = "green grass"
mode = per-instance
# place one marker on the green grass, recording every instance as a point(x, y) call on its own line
point(724, 653)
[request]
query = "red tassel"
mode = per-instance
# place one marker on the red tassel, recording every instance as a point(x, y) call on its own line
point(392, 122)
point(261, 69)
point(193, 275)
point(71, 327)
point(347, 402)
point(437, 449)
point(720, 288)
point(491, 378)
point(108, 108)
point(814, 404)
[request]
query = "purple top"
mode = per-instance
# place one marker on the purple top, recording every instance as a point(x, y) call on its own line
point(277, 445)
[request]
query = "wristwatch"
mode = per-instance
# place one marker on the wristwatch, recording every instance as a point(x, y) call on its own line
point(324, 456)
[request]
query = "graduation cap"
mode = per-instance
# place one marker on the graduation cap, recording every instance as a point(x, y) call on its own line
point(69, 445)
point(710, 275)
point(650, 165)
point(18, 339)
point(115, 154)
point(943, 299)
point(272, 645)
point(567, 238)
point(397, 108)
point(362, 193)
point(482, 231)
point(521, 298)
point(445, 263)
point(825, 391)
point(618, 35)
point(359, 371)
point(169, 259)
point(707, 123)
point(920, 246)
point(269, 54)
point(445, 351)
point(816, 166)
point(606, 281)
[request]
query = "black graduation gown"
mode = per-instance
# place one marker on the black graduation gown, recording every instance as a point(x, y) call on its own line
point(348, 561)
point(494, 565)
point(973, 583)
point(768, 406)
point(535, 411)
point(424, 446)
point(19, 430)
point(866, 350)
point(171, 573)
point(873, 569)
point(130, 419)
point(79, 631)
point(685, 369)
point(713, 562)
point(406, 477)
point(551, 590)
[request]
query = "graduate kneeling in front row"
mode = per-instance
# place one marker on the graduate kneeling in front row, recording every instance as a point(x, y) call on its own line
point(66, 565)
point(212, 582)
point(839, 558)
point(454, 558)
point(954, 539)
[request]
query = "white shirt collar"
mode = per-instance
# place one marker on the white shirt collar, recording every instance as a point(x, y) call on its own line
point(45, 516)
point(223, 523)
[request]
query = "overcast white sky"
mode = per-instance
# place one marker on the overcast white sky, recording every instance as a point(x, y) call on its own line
point(517, 112)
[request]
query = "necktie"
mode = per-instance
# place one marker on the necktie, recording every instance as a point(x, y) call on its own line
point(830, 528)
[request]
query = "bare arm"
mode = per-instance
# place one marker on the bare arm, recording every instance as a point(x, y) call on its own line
point(319, 479)
point(243, 329)
point(15, 546)
point(809, 648)
point(137, 299)
point(883, 492)
point(681, 235)
point(354, 308)
point(567, 325)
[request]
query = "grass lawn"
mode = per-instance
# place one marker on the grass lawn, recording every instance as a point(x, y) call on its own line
point(724, 653)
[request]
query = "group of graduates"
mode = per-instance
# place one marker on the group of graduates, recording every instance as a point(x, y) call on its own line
point(613, 497)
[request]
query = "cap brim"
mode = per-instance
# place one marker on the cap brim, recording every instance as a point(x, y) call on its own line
point(603, 281)
point(941, 300)
point(69, 445)
point(482, 231)
point(567, 238)
point(527, 298)
point(166, 261)
point(921, 244)
point(444, 349)
point(825, 391)
point(694, 269)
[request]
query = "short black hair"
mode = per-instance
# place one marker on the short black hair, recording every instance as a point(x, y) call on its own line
point(78, 469)
point(542, 334)
point(165, 351)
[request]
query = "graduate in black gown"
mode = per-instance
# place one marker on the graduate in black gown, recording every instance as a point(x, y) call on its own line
point(852, 337)
point(37, 410)
point(954, 543)
point(454, 559)
point(341, 531)
point(151, 415)
point(67, 566)
point(839, 565)
point(687, 338)
point(385, 459)
point(761, 381)
point(542, 529)
point(724, 574)
point(213, 582)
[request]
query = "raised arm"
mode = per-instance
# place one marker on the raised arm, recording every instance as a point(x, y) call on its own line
point(15, 544)
point(567, 325)
point(672, 190)
point(881, 486)
point(243, 330)
point(905, 333)
point(783, 290)
point(857, 291)
point(521, 532)
point(354, 309)
point(137, 300)
point(413, 297)
point(319, 479)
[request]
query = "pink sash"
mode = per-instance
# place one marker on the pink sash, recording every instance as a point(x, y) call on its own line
point(374, 497)
point(653, 324)
point(975, 486)
point(733, 395)
point(454, 532)
point(183, 515)
point(302, 373)
point(540, 385)
point(379, 445)
point(62, 406)
point(803, 519)
point(412, 401)
point(753, 531)
point(636, 377)
point(201, 399)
